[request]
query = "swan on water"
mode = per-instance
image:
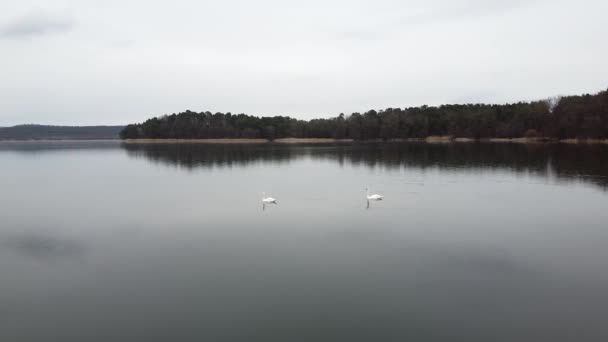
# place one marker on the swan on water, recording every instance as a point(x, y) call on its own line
point(268, 199)
point(374, 197)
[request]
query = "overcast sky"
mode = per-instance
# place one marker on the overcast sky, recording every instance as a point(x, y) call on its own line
point(115, 62)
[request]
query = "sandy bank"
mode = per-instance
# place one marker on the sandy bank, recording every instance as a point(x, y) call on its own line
point(584, 141)
point(309, 140)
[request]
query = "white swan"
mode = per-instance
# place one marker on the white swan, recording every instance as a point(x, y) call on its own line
point(374, 197)
point(268, 199)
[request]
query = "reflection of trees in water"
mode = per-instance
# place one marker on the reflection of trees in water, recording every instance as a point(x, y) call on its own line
point(212, 155)
point(42, 247)
point(566, 162)
point(44, 146)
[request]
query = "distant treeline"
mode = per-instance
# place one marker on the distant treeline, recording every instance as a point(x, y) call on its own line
point(584, 116)
point(42, 132)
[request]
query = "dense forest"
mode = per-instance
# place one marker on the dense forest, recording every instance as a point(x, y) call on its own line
point(42, 132)
point(584, 116)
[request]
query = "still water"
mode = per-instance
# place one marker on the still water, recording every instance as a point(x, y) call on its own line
point(152, 242)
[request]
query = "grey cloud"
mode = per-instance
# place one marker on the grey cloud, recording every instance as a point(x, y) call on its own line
point(359, 34)
point(458, 10)
point(467, 9)
point(37, 24)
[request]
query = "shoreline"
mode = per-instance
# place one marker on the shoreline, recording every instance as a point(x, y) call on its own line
point(237, 141)
point(430, 140)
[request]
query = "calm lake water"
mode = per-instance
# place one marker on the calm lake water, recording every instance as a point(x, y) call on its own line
point(474, 242)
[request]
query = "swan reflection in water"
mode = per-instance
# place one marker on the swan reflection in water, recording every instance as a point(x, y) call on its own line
point(264, 205)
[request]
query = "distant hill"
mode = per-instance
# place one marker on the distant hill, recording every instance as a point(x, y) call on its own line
point(43, 132)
